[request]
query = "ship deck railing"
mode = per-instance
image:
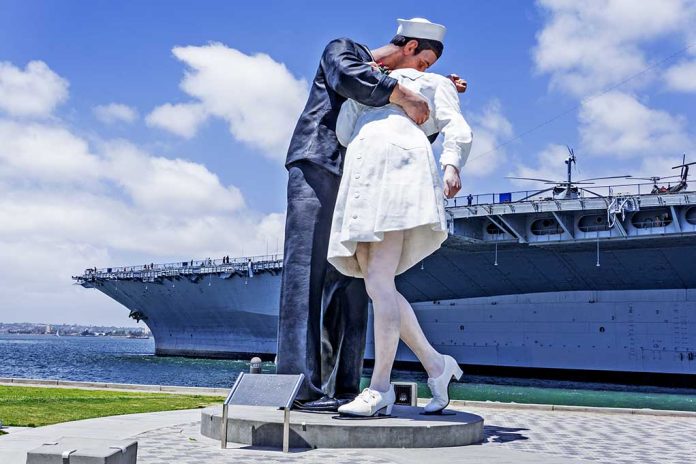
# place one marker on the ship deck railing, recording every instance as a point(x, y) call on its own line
point(248, 265)
point(618, 198)
point(517, 196)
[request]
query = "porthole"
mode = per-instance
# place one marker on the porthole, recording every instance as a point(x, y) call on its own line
point(492, 229)
point(690, 215)
point(651, 219)
point(546, 226)
point(593, 223)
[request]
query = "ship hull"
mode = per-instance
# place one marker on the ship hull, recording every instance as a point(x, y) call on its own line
point(646, 331)
point(213, 318)
point(649, 331)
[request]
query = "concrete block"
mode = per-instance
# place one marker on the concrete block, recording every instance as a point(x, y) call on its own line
point(74, 450)
point(131, 386)
point(64, 383)
point(35, 381)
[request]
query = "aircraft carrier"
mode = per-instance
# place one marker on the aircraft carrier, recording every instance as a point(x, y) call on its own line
point(574, 282)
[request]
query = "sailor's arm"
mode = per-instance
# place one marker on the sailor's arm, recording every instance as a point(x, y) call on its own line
point(355, 79)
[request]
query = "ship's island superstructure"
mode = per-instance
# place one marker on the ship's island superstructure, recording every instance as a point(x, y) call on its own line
point(576, 282)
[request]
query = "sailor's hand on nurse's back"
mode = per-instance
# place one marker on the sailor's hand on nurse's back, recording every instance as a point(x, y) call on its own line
point(453, 183)
point(415, 106)
point(458, 82)
point(379, 67)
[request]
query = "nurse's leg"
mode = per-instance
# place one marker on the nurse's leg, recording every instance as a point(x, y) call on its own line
point(413, 336)
point(410, 329)
point(379, 270)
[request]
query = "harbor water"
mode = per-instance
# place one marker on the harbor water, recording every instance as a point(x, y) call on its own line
point(122, 360)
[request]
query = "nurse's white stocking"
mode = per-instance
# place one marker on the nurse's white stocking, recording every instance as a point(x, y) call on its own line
point(378, 262)
point(413, 336)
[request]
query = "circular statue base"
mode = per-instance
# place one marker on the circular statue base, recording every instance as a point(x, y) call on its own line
point(407, 427)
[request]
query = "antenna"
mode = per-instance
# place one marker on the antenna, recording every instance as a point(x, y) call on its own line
point(570, 161)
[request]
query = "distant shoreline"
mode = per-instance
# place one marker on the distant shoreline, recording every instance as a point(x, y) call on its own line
point(75, 335)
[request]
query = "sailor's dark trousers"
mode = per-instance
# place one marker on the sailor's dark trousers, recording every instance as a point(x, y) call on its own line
point(323, 313)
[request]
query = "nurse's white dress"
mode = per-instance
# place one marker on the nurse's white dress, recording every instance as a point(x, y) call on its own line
point(390, 179)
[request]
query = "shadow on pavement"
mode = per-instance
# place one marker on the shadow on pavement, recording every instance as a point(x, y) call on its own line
point(496, 434)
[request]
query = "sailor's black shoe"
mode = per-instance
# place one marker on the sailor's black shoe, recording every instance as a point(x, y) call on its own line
point(323, 404)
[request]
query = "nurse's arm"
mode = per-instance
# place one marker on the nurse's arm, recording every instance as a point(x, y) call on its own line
point(347, 118)
point(457, 135)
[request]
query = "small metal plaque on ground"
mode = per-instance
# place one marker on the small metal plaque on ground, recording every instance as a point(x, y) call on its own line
point(274, 390)
point(69, 450)
point(406, 393)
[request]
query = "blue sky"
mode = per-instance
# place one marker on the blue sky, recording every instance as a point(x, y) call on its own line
point(192, 166)
point(121, 51)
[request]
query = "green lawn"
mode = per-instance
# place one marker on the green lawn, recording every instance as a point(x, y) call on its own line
point(37, 406)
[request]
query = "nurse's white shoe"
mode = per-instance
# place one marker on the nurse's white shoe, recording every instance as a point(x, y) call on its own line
point(439, 386)
point(370, 403)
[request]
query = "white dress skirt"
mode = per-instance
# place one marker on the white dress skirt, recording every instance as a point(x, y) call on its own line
point(390, 183)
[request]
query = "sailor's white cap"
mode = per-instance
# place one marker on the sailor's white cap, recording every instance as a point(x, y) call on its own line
point(421, 28)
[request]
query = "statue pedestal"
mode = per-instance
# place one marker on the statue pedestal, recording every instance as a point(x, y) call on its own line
point(405, 428)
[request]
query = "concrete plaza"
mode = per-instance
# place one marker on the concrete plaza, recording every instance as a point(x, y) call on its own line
point(518, 434)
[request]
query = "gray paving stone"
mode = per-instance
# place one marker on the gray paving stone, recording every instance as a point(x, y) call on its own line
point(512, 436)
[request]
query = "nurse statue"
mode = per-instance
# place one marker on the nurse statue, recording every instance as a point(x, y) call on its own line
point(390, 215)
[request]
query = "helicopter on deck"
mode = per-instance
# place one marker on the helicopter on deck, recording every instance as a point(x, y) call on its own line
point(679, 186)
point(566, 189)
point(570, 189)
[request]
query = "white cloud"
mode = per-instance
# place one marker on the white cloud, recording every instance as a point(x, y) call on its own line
point(682, 77)
point(162, 184)
point(45, 153)
point(182, 119)
point(127, 233)
point(589, 45)
point(258, 97)
point(51, 298)
point(490, 128)
point(134, 208)
point(67, 204)
point(32, 92)
point(115, 112)
point(48, 236)
point(617, 124)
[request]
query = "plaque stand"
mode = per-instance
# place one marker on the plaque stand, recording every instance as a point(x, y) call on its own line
point(262, 390)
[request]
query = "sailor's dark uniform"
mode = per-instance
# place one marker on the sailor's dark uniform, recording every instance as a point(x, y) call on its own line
point(323, 314)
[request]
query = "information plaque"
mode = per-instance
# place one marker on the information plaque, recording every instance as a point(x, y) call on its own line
point(270, 390)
